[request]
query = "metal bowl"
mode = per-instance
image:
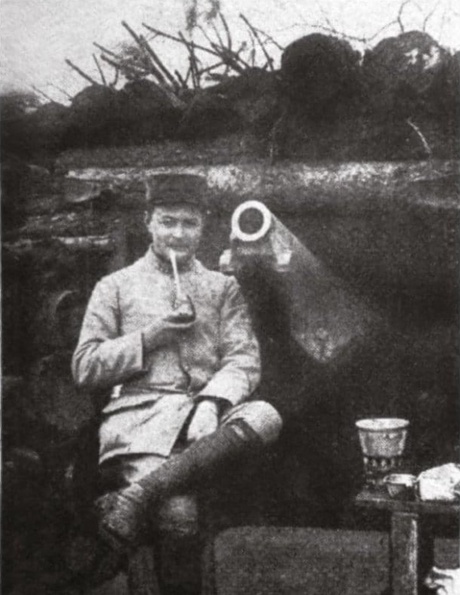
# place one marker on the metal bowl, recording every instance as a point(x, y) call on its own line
point(382, 437)
point(400, 485)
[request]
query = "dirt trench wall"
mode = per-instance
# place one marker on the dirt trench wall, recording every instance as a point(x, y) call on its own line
point(398, 101)
point(388, 230)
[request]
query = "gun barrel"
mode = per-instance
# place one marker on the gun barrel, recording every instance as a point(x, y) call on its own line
point(325, 316)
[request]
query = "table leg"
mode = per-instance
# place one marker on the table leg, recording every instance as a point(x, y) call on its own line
point(426, 553)
point(404, 553)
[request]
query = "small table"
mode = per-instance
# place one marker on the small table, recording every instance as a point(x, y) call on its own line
point(411, 546)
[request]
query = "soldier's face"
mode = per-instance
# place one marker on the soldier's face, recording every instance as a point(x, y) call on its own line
point(178, 228)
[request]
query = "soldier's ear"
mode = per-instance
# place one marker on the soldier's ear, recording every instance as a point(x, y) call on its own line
point(147, 217)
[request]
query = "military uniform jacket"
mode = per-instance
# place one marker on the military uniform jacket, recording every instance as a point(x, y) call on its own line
point(154, 393)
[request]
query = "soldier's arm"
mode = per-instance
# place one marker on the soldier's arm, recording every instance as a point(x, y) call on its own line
point(103, 357)
point(239, 372)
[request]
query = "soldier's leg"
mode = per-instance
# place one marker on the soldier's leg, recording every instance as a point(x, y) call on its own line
point(171, 558)
point(244, 429)
point(260, 416)
point(90, 560)
point(180, 544)
point(178, 514)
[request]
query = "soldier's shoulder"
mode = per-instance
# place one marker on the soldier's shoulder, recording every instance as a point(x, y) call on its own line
point(121, 275)
point(216, 278)
point(211, 274)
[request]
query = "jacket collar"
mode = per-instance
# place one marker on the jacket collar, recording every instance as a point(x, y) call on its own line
point(157, 264)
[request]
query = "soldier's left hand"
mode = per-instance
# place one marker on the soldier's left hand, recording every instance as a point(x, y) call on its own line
point(204, 421)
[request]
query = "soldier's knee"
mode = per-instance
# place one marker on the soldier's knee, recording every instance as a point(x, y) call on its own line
point(263, 418)
point(178, 516)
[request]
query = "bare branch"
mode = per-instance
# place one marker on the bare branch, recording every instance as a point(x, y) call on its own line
point(156, 66)
point(327, 20)
point(188, 75)
point(115, 78)
point(400, 12)
point(267, 64)
point(256, 35)
point(112, 62)
point(152, 67)
point(63, 91)
point(208, 39)
point(230, 58)
point(329, 27)
point(242, 47)
point(81, 73)
point(372, 37)
point(180, 79)
point(179, 40)
point(40, 92)
point(227, 30)
point(192, 61)
point(253, 51)
point(219, 78)
point(429, 15)
point(101, 74)
point(133, 34)
point(212, 67)
point(105, 50)
point(123, 67)
point(216, 31)
point(193, 76)
point(269, 38)
point(234, 60)
point(329, 30)
point(158, 62)
point(173, 99)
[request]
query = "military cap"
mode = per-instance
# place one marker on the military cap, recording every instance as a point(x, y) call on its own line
point(171, 189)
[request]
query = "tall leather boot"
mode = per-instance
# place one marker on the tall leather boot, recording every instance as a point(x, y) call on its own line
point(123, 513)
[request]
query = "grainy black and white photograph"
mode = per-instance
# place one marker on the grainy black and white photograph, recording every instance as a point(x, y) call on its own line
point(230, 297)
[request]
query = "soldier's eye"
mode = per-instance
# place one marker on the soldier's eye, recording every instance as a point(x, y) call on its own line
point(191, 224)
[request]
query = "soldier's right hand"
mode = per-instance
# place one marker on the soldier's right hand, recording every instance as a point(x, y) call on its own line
point(166, 329)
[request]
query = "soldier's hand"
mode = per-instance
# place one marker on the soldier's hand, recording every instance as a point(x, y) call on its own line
point(168, 328)
point(205, 421)
point(163, 331)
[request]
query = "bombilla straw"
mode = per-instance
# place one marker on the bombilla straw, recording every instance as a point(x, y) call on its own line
point(172, 257)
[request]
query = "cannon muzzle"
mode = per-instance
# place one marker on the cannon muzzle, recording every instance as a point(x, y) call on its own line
point(256, 234)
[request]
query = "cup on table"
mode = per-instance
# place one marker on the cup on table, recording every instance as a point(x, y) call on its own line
point(383, 441)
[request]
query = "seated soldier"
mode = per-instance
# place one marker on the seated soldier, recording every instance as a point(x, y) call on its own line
point(179, 352)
